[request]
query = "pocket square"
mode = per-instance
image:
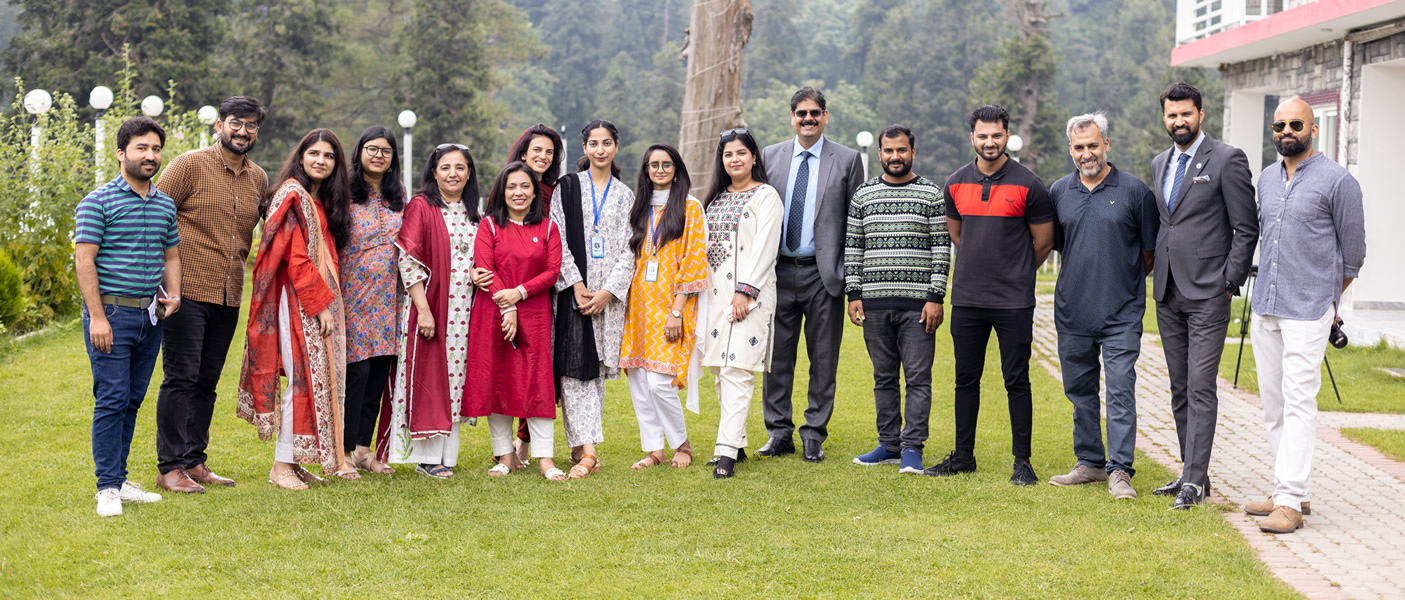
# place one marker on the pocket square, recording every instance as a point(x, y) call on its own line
point(1202, 179)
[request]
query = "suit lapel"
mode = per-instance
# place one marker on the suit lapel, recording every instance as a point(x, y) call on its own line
point(826, 173)
point(1197, 164)
point(1158, 170)
point(787, 152)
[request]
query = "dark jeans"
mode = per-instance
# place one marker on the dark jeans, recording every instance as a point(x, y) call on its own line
point(1193, 336)
point(365, 383)
point(197, 342)
point(1078, 359)
point(970, 332)
point(899, 345)
point(120, 379)
point(803, 304)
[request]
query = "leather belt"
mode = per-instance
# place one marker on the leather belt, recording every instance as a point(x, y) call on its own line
point(142, 303)
point(799, 261)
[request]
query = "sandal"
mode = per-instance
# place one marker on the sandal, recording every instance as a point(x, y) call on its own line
point(582, 470)
point(554, 474)
point(283, 481)
point(499, 470)
point(686, 450)
point(367, 462)
point(348, 473)
point(435, 471)
point(726, 467)
point(649, 460)
point(307, 476)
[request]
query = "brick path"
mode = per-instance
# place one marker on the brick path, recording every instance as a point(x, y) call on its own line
point(1353, 544)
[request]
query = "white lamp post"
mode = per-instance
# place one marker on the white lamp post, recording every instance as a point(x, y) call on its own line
point(1014, 146)
point(101, 100)
point(565, 152)
point(407, 120)
point(864, 139)
point(36, 102)
point(152, 106)
point(207, 116)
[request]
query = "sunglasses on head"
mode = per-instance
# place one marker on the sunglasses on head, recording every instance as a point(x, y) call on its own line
point(1296, 124)
point(813, 114)
point(737, 131)
point(445, 146)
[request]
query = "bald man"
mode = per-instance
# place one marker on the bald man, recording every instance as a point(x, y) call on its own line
point(1313, 245)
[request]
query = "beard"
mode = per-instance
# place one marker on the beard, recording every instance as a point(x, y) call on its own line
point(1184, 136)
point(134, 170)
point(1092, 170)
point(227, 141)
point(1294, 145)
point(897, 168)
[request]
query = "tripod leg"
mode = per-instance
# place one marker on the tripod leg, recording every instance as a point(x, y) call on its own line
point(1332, 377)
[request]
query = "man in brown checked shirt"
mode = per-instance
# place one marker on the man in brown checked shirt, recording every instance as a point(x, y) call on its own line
point(218, 193)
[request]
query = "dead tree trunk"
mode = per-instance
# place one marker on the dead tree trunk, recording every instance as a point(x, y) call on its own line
point(1028, 87)
point(717, 32)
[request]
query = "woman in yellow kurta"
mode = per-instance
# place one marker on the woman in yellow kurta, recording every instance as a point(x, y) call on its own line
point(669, 245)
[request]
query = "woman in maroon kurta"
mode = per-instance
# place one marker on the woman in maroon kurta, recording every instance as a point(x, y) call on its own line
point(509, 356)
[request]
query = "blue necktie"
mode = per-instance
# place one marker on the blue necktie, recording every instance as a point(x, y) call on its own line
point(1176, 185)
point(795, 221)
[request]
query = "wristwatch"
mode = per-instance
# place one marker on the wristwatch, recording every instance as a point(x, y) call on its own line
point(676, 314)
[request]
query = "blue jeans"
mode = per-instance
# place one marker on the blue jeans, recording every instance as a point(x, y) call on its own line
point(1078, 358)
point(120, 379)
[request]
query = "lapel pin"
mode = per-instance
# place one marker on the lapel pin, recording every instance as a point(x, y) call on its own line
point(1197, 165)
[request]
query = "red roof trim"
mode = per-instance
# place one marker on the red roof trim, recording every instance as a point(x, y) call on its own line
point(1293, 19)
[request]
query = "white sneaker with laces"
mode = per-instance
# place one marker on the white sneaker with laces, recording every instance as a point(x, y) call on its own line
point(131, 492)
point(109, 503)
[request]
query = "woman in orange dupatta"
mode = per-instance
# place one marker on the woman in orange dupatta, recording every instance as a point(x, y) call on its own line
point(296, 328)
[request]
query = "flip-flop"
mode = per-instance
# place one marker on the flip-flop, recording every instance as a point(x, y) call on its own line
point(434, 471)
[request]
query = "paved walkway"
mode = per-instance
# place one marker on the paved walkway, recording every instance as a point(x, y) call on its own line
point(1353, 544)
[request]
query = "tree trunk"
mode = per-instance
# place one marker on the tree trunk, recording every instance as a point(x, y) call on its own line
point(1032, 23)
point(718, 30)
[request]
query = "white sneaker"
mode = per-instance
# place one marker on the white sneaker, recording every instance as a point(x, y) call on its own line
point(131, 492)
point(109, 503)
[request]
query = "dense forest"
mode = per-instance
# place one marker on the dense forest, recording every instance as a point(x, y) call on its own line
point(478, 71)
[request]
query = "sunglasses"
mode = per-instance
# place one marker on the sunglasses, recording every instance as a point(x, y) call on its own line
point(446, 146)
point(813, 114)
point(1296, 124)
point(737, 131)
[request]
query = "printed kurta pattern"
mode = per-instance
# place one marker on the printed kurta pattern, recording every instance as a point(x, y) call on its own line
point(370, 281)
point(613, 272)
point(744, 233)
point(682, 269)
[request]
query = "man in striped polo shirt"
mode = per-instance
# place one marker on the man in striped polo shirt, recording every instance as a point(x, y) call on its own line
point(896, 256)
point(124, 251)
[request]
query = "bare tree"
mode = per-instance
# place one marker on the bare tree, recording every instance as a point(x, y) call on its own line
point(717, 32)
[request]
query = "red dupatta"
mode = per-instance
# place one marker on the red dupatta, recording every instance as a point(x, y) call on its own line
point(424, 237)
point(296, 254)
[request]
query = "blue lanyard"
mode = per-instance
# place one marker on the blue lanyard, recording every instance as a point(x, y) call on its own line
point(654, 230)
point(598, 206)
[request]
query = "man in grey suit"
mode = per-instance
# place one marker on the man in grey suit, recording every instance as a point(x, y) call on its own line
point(1209, 226)
point(817, 179)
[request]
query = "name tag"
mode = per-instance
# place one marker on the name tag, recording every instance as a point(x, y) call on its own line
point(597, 246)
point(651, 271)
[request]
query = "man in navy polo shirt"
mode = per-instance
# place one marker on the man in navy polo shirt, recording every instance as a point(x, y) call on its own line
point(1105, 230)
point(124, 251)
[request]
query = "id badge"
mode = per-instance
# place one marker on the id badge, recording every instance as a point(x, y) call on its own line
point(651, 271)
point(597, 246)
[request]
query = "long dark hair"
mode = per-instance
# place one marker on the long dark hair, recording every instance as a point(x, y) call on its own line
point(524, 141)
point(720, 178)
point(675, 213)
point(392, 190)
point(583, 162)
point(332, 192)
point(497, 197)
point(429, 186)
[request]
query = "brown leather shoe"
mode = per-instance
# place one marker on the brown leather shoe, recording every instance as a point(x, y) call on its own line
point(1264, 508)
point(1283, 520)
point(179, 481)
point(203, 475)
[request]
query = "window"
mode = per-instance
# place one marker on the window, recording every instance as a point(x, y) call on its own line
point(1215, 20)
point(1326, 140)
point(1215, 5)
point(1200, 12)
point(1200, 26)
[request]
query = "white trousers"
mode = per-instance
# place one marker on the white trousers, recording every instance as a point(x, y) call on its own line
point(657, 408)
point(734, 390)
point(438, 450)
point(283, 447)
point(501, 431)
point(1288, 357)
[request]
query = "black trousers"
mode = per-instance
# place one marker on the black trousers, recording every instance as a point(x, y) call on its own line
point(193, 352)
point(970, 333)
point(365, 383)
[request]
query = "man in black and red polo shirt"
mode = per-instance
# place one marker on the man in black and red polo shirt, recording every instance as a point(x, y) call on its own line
point(1002, 223)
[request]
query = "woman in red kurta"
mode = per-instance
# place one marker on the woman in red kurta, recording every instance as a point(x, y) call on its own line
point(296, 326)
point(509, 356)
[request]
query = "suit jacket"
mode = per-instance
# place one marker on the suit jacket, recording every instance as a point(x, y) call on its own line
point(1209, 240)
point(841, 172)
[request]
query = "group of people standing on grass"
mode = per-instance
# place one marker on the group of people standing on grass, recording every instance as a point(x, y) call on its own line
point(383, 316)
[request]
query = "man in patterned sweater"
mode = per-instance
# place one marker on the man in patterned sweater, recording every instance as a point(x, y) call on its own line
point(896, 256)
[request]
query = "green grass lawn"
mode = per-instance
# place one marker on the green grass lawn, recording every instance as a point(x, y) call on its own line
point(781, 528)
point(1390, 442)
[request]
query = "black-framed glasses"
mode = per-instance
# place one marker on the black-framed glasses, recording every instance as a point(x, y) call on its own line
point(236, 125)
point(813, 113)
point(451, 145)
point(737, 131)
point(1296, 124)
point(377, 151)
point(661, 166)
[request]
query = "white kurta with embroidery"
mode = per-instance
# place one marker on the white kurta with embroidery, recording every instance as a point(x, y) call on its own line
point(743, 235)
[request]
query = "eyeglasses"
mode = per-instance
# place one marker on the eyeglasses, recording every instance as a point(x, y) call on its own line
point(813, 114)
point(737, 131)
point(446, 146)
point(377, 151)
point(1296, 124)
point(661, 166)
point(236, 125)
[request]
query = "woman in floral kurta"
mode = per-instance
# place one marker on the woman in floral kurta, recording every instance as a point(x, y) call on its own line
point(596, 233)
point(669, 272)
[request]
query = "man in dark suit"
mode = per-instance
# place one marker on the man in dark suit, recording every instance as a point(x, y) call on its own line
point(816, 178)
point(1209, 226)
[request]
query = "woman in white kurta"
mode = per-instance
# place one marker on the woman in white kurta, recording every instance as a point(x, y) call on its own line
point(744, 230)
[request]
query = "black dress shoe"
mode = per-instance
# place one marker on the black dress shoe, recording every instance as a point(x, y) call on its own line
point(1170, 489)
point(776, 447)
point(1190, 496)
point(814, 451)
point(741, 458)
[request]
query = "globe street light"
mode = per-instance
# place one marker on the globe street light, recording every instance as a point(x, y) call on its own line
point(207, 116)
point(152, 106)
point(864, 139)
point(36, 102)
point(1015, 144)
point(407, 120)
point(101, 100)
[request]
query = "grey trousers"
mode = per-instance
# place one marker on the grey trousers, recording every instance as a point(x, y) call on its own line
point(900, 346)
point(1193, 335)
point(1078, 359)
point(801, 301)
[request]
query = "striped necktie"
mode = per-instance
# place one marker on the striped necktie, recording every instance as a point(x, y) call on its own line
point(795, 221)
